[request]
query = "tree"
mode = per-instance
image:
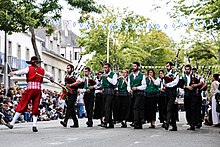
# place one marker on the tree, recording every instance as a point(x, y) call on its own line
point(130, 40)
point(21, 15)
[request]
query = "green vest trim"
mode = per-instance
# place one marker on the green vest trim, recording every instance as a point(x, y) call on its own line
point(122, 86)
point(105, 82)
point(86, 86)
point(151, 87)
point(137, 81)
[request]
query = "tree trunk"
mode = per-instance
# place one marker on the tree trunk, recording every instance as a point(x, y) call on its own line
point(33, 41)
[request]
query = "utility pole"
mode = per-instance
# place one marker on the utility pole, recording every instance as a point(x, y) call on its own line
point(6, 66)
point(108, 36)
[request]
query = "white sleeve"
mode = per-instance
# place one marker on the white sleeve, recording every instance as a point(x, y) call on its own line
point(79, 79)
point(22, 71)
point(174, 82)
point(202, 80)
point(143, 84)
point(157, 82)
point(48, 74)
point(113, 81)
point(129, 86)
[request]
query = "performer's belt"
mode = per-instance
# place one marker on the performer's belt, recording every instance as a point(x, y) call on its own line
point(34, 85)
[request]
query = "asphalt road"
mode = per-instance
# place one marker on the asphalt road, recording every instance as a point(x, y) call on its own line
point(52, 134)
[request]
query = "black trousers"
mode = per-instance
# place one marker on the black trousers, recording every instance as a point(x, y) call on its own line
point(171, 97)
point(150, 108)
point(162, 107)
point(89, 104)
point(190, 105)
point(98, 112)
point(124, 104)
point(108, 99)
point(71, 112)
point(138, 107)
point(199, 117)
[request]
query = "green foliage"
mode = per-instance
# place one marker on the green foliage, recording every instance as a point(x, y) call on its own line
point(126, 44)
point(19, 15)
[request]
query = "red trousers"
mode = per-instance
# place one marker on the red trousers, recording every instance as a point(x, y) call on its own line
point(30, 94)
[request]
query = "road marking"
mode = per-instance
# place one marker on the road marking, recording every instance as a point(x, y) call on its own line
point(155, 135)
point(136, 142)
point(72, 139)
point(56, 143)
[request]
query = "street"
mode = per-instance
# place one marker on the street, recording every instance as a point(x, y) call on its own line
point(52, 134)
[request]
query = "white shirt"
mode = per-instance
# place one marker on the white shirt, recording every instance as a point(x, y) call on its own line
point(188, 79)
point(26, 70)
point(114, 80)
point(143, 83)
point(175, 81)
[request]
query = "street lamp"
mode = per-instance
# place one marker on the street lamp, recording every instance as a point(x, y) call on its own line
point(108, 46)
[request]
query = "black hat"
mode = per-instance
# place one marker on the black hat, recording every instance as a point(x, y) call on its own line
point(33, 59)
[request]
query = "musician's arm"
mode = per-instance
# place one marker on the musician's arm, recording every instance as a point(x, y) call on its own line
point(21, 72)
point(157, 81)
point(114, 80)
point(50, 75)
point(174, 82)
point(78, 81)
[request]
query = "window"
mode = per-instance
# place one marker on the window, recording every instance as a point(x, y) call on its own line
point(19, 51)
point(59, 76)
point(51, 45)
point(76, 56)
point(45, 67)
point(53, 71)
point(9, 48)
point(27, 54)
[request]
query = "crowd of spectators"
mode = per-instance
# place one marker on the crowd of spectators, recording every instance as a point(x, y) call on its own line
point(51, 107)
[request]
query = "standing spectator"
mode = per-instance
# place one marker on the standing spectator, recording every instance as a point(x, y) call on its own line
point(214, 89)
point(80, 104)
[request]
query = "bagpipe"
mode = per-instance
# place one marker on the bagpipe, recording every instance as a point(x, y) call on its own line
point(170, 79)
point(68, 88)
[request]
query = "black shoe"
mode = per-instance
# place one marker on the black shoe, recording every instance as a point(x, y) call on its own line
point(74, 126)
point(63, 123)
point(123, 125)
point(104, 125)
point(173, 129)
point(166, 126)
point(132, 124)
point(89, 124)
point(152, 127)
point(9, 126)
point(138, 127)
point(143, 121)
point(199, 126)
point(34, 129)
point(163, 125)
point(191, 128)
point(110, 126)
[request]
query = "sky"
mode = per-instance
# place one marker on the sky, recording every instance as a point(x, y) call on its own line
point(141, 7)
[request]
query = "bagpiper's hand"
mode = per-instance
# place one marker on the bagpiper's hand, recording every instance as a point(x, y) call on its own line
point(134, 88)
point(189, 87)
point(194, 85)
point(164, 85)
point(91, 87)
point(12, 74)
point(88, 90)
point(105, 75)
point(131, 92)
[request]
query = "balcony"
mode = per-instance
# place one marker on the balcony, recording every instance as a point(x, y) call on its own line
point(14, 63)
